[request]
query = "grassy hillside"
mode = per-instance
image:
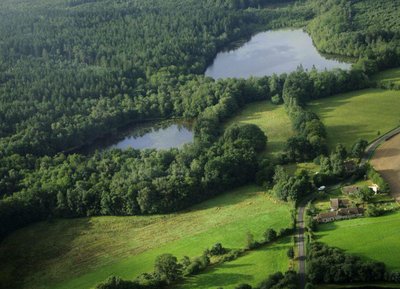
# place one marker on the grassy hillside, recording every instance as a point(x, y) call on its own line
point(81, 252)
point(272, 119)
point(371, 238)
point(252, 268)
point(358, 114)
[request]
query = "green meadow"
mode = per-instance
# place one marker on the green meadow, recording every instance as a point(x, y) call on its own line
point(359, 114)
point(388, 76)
point(272, 119)
point(370, 238)
point(78, 253)
point(252, 268)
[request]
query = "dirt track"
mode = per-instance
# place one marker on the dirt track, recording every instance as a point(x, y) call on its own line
point(386, 160)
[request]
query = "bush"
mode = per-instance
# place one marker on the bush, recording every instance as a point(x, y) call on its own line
point(289, 280)
point(167, 268)
point(270, 235)
point(290, 253)
point(232, 255)
point(374, 211)
point(217, 250)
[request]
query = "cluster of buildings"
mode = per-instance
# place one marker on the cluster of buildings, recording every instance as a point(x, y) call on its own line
point(341, 209)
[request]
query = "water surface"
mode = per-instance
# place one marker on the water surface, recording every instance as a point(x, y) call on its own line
point(150, 135)
point(270, 52)
point(164, 137)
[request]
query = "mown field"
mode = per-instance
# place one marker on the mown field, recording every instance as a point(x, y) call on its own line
point(81, 252)
point(370, 238)
point(360, 114)
point(251, 268)
point(272, 119)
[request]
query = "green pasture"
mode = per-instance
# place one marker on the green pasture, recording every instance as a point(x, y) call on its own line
point(272, 119)
point(78, 253)
point(362, 114)
point(252, 268)
point(370, 238)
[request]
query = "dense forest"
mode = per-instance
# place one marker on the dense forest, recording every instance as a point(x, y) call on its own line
point(71, 71)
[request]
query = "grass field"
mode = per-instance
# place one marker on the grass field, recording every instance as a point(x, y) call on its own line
point(359, 114)
point(272, 119)
point(79, 253)
point(251, 268)
point(371, 238)
point(388, 76)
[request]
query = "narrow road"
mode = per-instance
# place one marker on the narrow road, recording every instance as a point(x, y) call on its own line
point(301, 246)
point(376, 143)
point(300, 240)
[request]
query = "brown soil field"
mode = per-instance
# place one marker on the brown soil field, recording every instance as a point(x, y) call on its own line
point(386, 161)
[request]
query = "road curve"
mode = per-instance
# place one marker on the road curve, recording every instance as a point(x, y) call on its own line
point(301, 246)
point(376, 143)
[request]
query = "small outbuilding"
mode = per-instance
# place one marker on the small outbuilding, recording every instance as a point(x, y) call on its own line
point(336, 204)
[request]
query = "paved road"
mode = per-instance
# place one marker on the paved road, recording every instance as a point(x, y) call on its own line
point(376, 143)
point(301, 246)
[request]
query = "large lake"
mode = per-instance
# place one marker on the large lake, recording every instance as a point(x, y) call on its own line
point(270, 52)
point(163, 135)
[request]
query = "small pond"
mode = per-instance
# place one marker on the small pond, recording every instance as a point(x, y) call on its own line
point(266, 53)
point(149, 135)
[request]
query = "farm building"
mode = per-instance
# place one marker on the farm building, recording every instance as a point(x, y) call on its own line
point(336, 204)
point(341, 214)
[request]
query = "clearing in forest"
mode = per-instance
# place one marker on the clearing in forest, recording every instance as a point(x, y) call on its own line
point(79, 253)
point(362, 114)
point(272, 119)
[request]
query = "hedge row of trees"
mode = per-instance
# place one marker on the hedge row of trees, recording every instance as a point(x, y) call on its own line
point(332, 265)
point(301, 87)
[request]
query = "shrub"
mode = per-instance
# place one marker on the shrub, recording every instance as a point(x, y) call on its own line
point(217, 250)
point(290, 253)
point(270, 235)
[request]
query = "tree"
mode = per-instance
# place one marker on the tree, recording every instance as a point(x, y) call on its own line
point(341, 151)
point(167, 268)
point(364, 194)
point(270, 235)
point(217, 249)
point(290, 253)
point(358, 148)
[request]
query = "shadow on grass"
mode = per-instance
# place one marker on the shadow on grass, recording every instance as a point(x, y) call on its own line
point(33, 249)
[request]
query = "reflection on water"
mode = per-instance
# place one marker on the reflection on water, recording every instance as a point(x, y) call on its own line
point(271, 52)
point(173, 136)
point(164, 135)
